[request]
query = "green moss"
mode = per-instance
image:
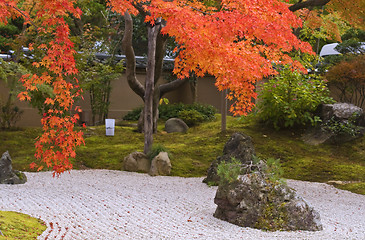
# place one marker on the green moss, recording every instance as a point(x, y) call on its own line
point(20, 226)
point(194, 151)
point(354, 187)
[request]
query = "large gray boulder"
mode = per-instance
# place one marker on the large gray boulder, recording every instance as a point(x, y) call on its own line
point(255, 201)
point(341, 112)
point(7, 174)
point(341, 122)
point(160, 165)
point(176, 125)
point(137, 162)
point(240, 147)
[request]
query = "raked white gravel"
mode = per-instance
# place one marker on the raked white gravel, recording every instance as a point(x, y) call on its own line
point(102, 204)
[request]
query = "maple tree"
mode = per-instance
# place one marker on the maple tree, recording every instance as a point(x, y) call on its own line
point(57, 145)
point(235, 41)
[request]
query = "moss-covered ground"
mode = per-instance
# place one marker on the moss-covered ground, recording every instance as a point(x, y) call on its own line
point(192, 153)
point(20, 226)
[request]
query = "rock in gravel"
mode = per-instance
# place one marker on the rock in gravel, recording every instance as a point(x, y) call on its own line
point(161, 165)
point(240, 147)
point(7, 174)
point(255, 201)
point(137, 162)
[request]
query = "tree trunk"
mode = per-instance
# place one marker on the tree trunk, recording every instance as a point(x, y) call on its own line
point(150, 87)
point(224, 110)
point(134, 84)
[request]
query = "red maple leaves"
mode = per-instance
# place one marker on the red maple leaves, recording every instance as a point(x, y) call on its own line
point(56, 147)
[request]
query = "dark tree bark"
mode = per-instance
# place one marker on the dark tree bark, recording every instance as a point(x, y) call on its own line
point(150, 86)
point(127, 47)
point(308, 4)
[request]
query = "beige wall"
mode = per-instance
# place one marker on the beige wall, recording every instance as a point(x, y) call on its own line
point(123, 99)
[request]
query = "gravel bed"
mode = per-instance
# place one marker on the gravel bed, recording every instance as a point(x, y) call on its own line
point(103, 204)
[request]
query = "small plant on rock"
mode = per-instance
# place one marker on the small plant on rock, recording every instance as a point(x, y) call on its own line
point(228, 171)
point(155, 150)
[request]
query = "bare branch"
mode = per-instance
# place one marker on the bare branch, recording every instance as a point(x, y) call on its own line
point(127, 47)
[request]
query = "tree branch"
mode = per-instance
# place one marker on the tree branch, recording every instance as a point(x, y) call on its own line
point(24, 15)
point(168, 87)
point(160, 53)
point(307, 4)
point(127, 47)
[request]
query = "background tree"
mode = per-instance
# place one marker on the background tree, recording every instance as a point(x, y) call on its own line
point(10, 72)
point(348, 77)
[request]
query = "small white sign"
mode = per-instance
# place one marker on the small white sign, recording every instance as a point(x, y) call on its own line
point(109, 127)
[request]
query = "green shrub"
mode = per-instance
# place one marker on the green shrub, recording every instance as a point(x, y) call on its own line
point(133, 115)
point(9, 115)
point(291, 98)
point(191, 117)
point(155, 150)
point(167, 111)
point(208, 111)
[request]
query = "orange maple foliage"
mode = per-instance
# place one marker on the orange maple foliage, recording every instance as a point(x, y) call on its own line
point(57, 144)
point(333, 15)
point(351, 11)
point(237, 42)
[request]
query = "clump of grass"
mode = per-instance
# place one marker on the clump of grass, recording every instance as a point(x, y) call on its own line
point(155, 150)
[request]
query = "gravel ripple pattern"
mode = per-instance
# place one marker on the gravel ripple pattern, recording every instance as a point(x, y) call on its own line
point(107, 205)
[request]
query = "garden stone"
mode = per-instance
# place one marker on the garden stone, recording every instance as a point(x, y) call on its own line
point(257, 202)
point(161, 165)
point(7, 174)
point(341, 114)
point(137, 162)
point(176, 125)
point(240, 147)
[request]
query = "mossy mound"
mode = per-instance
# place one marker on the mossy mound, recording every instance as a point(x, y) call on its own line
point(15, 225)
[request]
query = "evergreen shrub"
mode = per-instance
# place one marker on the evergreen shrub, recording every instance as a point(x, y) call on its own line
point(291, 98)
